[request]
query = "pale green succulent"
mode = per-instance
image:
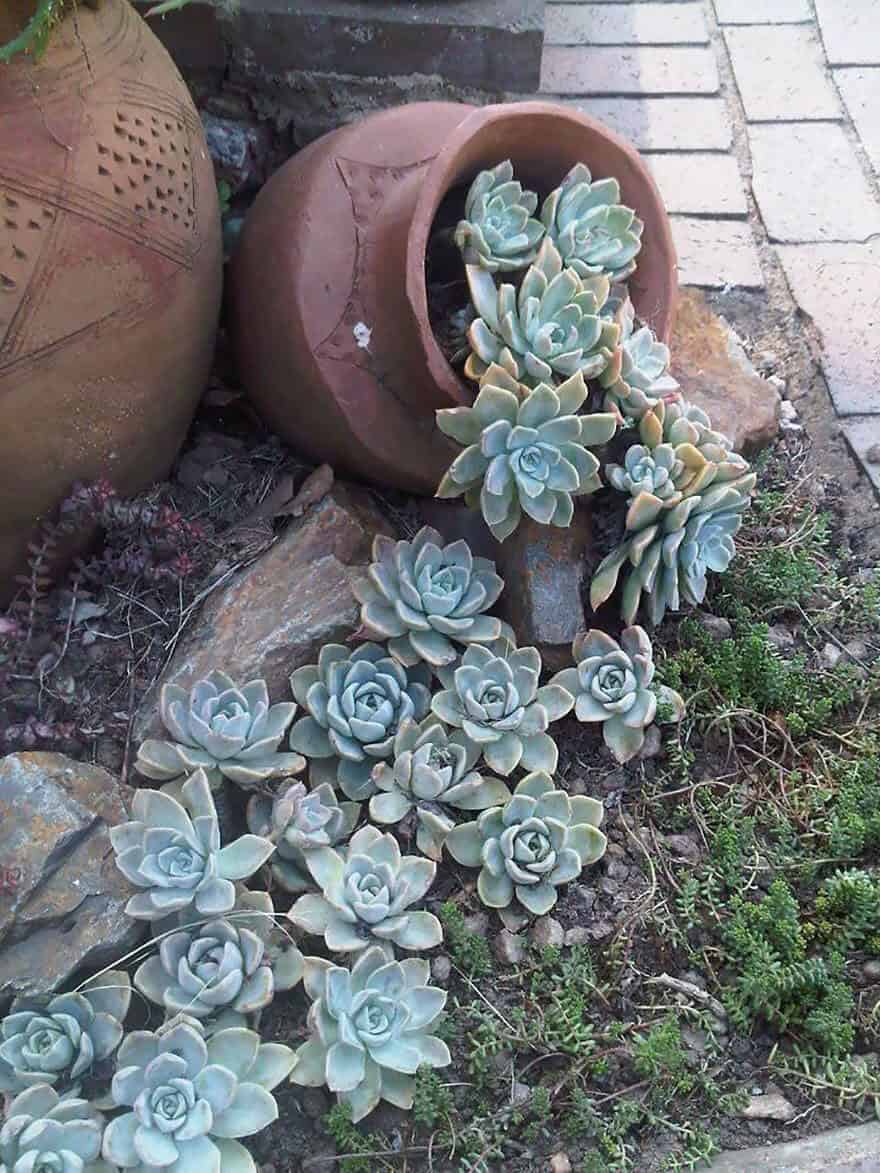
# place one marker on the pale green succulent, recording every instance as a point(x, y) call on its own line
point(191, 1097)
point(708, 454)
point(232, 965)
point(541, 838)
point(648, 470)
point(424, 597)
point(57, 1040)
point(494, 697)
point(638, 374)
point(227, 731)
point(526, 451)
point(298, 821)
point(366, 896)
point(356, 701)
point(433, 777)
point(44, 1133)
point(612, 683)
point(593, 231)
point(552, 329)
point(369, 1029)
point(172, 850)
point(499, 232)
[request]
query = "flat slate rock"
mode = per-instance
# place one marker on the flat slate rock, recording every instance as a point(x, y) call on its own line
point(62, 898)
point(845, 1150)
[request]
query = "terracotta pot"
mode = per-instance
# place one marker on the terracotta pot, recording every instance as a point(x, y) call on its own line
point(110, 265)
point(328, 294)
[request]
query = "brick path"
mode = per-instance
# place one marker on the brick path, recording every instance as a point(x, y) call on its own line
point(761, 122)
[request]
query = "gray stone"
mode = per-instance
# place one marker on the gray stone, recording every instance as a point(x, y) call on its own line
point(510, 949)
point(831, 655)
point(770, 1106)
point(513, 918)
point(441, 968)
point(663, 124)
point(652, 746)
point(579, 935)
point(547, 931)
point(780, 73)
point(699, 184)
point(560, 1163)
point(716, 254)
point(780, 637)
point(845, 1150)
point(63, 906)
point(850, 31)
point(605, 70)
point(520, 1094)
point(863, 436)
point(631, 24)
point(871, 971)
point(686, 848)
point(716, 625)
point(477, 922)
point(240, 151)
point(860, 90)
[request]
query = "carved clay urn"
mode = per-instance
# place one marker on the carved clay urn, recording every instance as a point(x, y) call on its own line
point(329, 298)
point(110, 263)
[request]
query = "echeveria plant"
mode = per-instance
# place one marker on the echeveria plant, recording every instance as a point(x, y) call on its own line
point(298, 821)
point(172, 850)
point(366, 897)
point(499, 232)
point(593, 231)
point(433, 776)
point(227, 731)
point(541, 838)
point(356, 701)
point(638, 375)
point(370, 1030)
point(190, 1097)
point(494, 696)
point(425, 596)
point(526, 451)
point(551, 329)
point(57, 1040)
point(612, 683)
point(46, 1134)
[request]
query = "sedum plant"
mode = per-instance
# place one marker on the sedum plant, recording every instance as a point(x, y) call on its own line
point(58, 1040)
point(356, 701)
point(299, 821)
point(638, 374)
point(366, 897)
point(432, 777)
point(44, 1133)
point(541, 838)
point(499, 231)
point(232, 965)
point(526, 451)
point(424, 597)
point(551, 329)
point(172, 850)
point(593, 231)
point(369, 1030)
point(227, 731)
point(494, 696)
point(612, 683)
point(191, 1097)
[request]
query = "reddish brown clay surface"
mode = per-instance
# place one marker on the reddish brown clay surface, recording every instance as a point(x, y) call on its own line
point(110, 266)
point(329, 302)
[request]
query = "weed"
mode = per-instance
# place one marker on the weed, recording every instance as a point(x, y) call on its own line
point(468, 950)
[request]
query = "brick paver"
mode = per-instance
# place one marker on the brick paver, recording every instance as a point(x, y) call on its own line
point(625, 24)
point(780, 72)
point(809, 184)
point(850, 30)
point(664, 124)
point(763, 11)
point(716, 253)
point(606, 70)
point(863, 436)
point(699, 184)
point(860, 90)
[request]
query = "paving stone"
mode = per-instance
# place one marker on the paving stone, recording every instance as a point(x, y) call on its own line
point(836, 285)
point(809, 184)
point(850, 30)
point(699, 183)
point(664, 124)
point(845, 1150)
point(863, 436)
point(780, 72)
point(605, 70)
point(860, 90)
point(716, 253)
point(762, 11)
point(625, 24)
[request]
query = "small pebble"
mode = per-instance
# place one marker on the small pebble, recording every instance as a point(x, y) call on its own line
point(778, 382)
point(770, 1106)
point(513, 918)
point(767, 361)
point(831, 655)
point(779, 637)
point(873, 454)
point(520, 1093)
point(477, 922)
point(509, 948)
point(871, 970)
point(547, 931)
point(559, 1163)
point(441, 967)
point(716, 625)
point(652, 746)
point(579, 935)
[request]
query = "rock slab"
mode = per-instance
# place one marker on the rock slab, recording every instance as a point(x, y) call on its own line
point(845, 1150)
point(62, 898)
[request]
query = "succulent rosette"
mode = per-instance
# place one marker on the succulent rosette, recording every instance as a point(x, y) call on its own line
point(648, 470)
point(425, 597)
point(541, 838)
point(370, 1030)
point(613, 683)
point(172, 850)
point(551, 329)
point(58, 1040)
point(356, 701)
point(494, 696)
point(191, 1097)
point(432, 777)
point(593, 231)
point(227, 731)
point(499, 232)
point(638, 374)
point(366, 897)
point(526, 451)
point(44, 1133)
point(298, 821)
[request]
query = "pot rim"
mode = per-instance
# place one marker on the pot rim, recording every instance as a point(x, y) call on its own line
point(441, 177)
